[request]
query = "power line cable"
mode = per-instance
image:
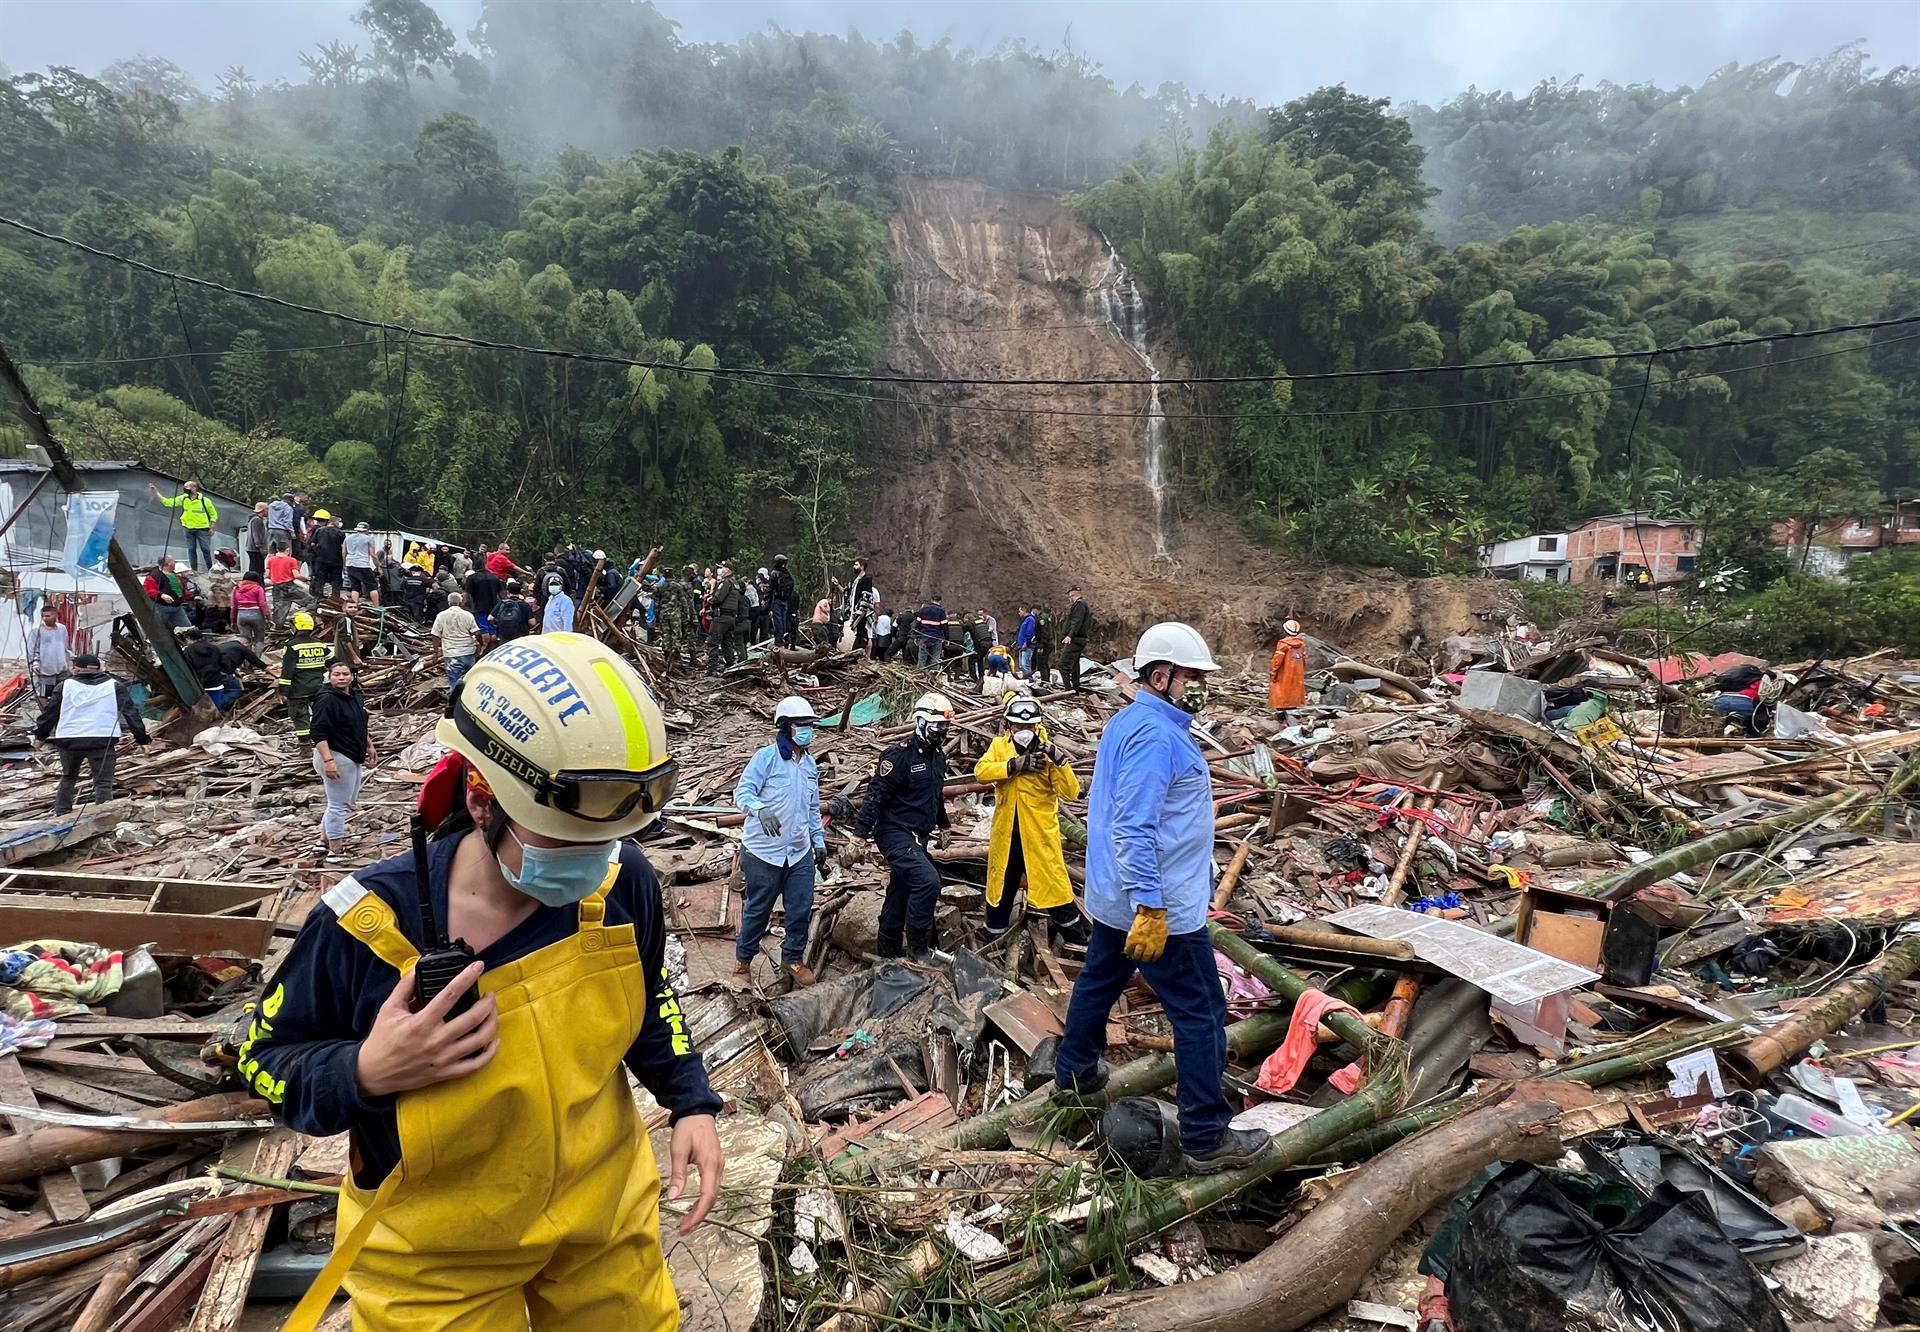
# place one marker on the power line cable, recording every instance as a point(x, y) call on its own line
point(729, 376)
point(561, 353)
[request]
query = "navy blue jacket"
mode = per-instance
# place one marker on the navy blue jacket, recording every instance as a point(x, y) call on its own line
point(905, 791)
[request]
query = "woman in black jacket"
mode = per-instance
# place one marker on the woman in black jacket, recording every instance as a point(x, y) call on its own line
point(342, 752)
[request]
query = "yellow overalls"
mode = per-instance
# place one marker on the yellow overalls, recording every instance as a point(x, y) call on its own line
point(527, 1193)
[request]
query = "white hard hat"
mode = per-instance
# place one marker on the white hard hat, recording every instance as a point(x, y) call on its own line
point(795, 708)
point(599, 554)
point(1176, 644)
point(1291, 626)
point(933, 707)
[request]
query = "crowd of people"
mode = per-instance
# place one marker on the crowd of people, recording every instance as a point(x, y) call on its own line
point(225, 606)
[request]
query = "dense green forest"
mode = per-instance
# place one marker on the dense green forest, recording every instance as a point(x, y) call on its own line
point(579, 176)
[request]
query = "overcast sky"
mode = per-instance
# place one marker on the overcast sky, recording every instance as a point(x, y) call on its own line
point(1408, 50)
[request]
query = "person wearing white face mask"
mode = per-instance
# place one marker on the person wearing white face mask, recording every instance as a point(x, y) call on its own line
point(784, 843)
point(465, 1012)
point(1030, 778)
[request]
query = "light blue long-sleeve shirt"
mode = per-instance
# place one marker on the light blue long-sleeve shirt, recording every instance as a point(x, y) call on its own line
point(1150, 820)
point(1029, 629)
point(791, 788)
point(558, 618)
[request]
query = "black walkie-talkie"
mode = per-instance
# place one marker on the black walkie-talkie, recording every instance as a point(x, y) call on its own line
point(445, 958)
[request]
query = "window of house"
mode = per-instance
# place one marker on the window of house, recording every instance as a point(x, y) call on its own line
point(1550, 543)
point(1684, 563)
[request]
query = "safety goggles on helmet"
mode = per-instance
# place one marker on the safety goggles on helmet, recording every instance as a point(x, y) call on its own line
point(597, 795)
point(1023, 711)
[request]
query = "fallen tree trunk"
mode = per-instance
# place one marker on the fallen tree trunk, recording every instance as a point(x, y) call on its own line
point(1316, 1266)
point(40, 1150)
point(1785, 1042)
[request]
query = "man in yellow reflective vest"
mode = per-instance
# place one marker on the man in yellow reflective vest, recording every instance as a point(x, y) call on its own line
point(197, 517)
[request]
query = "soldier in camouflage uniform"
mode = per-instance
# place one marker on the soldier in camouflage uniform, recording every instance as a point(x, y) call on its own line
point(673, 619)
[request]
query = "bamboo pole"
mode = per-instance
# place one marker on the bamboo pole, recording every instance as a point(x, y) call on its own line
point(1705, 850)
point(1781, 1044)
point(1417, 829)
point(1231, 876)
point(1245, 1038)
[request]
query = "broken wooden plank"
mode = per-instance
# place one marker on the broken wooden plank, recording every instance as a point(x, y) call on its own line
point(61, 1188)
point(225, 1293)
point(168, 932)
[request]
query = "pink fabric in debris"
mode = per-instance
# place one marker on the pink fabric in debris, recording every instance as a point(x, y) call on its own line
point(1283, 1067)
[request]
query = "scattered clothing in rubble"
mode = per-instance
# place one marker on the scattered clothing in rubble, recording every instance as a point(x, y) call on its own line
point(56, 978)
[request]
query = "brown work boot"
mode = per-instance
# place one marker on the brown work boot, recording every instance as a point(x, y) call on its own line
point(743, 968)
point(802, 974)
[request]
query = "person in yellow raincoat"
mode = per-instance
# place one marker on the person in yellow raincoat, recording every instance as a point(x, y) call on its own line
point(1030, 778)
point(464, 1012)
point(1287, 672)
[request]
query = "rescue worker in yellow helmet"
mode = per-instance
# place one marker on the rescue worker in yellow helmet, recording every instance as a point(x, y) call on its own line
point(1030, 778)
point(502, 1177)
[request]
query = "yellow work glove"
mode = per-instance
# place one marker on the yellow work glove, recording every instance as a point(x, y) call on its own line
point(1147, 940)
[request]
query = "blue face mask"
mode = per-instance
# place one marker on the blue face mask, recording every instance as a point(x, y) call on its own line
point(803, 736)
point(559, 876)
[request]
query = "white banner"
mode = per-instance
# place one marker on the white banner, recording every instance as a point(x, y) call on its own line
point(90, 515)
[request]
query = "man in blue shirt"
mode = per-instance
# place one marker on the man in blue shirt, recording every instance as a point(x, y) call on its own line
point(783, 843)
point(1023, 641)
point(1149, 885)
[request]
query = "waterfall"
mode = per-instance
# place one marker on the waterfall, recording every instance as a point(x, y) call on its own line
point(1119, 302)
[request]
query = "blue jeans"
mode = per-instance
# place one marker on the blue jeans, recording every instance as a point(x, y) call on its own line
point(791, 886)
point(225, 694)
point(1736, 705)
point(931, 650)
point(199, 547)
point(457, 667)
point(1026, 661)
point(1188, 984)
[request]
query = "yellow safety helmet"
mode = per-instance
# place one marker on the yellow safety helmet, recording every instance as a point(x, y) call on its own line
point(302, 622)
point(321, 514)
point(565, 733)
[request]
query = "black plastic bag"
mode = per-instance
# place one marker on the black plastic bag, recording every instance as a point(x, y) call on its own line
point(1531, 1260)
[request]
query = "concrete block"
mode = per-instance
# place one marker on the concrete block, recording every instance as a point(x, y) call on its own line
point(1496, 691)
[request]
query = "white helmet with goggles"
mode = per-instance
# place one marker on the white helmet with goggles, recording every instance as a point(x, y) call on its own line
point(1021, 710)
point(566, 735)
point(931, 713)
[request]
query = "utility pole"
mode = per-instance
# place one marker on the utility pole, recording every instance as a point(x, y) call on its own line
point(155, 631)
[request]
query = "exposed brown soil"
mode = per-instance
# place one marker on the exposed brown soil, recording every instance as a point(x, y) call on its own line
point(992, 507)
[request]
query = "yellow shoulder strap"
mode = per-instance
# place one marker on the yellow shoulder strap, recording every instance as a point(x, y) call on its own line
point(363, 915)
point(593, 910)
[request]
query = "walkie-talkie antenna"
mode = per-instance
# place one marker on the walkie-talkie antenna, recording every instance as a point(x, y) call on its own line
point(423, 885)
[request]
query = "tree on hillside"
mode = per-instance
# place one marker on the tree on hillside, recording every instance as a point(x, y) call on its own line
point(408, 37)
point(1332, 122)
point(242, 383)
point(1825, 485)
point(462, 178)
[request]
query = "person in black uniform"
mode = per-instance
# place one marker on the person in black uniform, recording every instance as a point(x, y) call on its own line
point(905, 805)
point(785, 596)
